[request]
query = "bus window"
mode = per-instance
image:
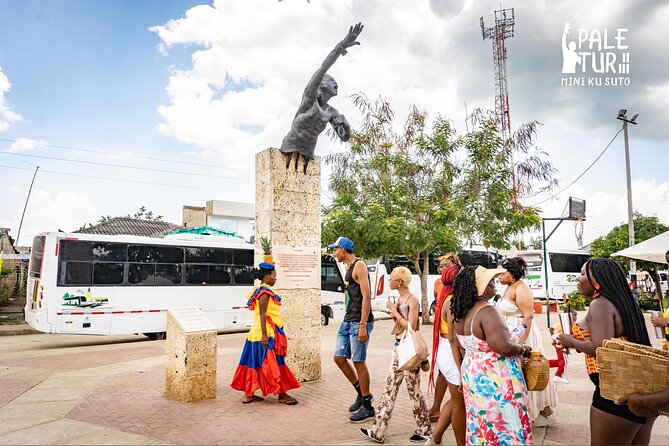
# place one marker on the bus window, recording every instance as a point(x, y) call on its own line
point(168, 274)
point(155, 254)
point(243, 257)
point(567, 263)
point(220, 274)
point(141, 273)
point(243, 274)
point(107, 273)
point(109, 252)
point(330, 280)
point(75, 273)
point(196, 274)
point(36, 256)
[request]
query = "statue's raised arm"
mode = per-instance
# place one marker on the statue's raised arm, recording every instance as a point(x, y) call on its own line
point(314, 112)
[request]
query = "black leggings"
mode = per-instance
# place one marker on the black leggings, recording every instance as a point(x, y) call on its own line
point(610, 407)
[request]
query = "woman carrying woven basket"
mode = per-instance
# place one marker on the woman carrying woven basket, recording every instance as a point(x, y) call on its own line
point(517, 308)
point(493, 386)
point(613, 313)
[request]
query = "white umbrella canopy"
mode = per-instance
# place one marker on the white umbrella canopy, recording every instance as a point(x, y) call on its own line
point(651, 250)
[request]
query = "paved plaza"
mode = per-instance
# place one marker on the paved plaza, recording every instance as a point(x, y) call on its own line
point(66, 389)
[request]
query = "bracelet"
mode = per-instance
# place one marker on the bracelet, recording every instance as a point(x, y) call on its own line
point(363, 323)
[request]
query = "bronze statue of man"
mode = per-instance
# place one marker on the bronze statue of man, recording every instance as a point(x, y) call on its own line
point(314, 111)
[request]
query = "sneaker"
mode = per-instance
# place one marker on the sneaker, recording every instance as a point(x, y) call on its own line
point(560, 379)
point(368, 433)
point(430, 441)
point(362, 415)
point(417, 438)
point(358, 404)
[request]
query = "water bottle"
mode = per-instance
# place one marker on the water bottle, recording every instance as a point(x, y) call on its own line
point(517, 332)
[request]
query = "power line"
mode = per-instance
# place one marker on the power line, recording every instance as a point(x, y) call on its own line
point(105, 152)
point(118, 165)
point(584, 172)
point(97, 177)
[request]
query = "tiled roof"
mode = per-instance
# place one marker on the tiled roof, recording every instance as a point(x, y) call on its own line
point(132, 226)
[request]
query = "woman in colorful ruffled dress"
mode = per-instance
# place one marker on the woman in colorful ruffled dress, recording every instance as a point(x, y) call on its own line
point(262, 365)
point(493, 386)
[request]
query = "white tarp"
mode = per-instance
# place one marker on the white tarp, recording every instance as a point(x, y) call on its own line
point(651, 250)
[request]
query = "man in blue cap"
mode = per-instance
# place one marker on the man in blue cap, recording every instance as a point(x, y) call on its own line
point(354, 331)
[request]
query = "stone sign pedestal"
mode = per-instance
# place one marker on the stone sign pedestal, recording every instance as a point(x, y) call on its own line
point(190, 372)
point(288, 210)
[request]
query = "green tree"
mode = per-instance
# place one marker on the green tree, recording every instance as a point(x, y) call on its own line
point(409, 192)
point(142, 213)
point(645, 227)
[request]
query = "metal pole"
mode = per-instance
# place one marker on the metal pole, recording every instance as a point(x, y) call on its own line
point(548, 306)
point(18, 234)
point(630, 208)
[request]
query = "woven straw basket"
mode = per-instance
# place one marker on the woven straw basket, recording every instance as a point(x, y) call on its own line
point(625, 367)
point(536, 371)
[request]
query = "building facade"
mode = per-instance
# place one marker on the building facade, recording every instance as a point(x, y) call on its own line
point(229, 216)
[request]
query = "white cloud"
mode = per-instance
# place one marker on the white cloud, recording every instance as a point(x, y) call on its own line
point(7, 115)
point(26, 144)
point(51, 211)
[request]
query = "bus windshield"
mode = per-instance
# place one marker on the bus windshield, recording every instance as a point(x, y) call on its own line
point(36, 256)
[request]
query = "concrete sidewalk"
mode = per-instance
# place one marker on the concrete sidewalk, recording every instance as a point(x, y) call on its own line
point(65, 389)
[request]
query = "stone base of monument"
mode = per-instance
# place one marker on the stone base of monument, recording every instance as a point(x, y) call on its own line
point(190, 370)
point(288, 211)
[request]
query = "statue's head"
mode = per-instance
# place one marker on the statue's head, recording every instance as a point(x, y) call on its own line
point(328, 87)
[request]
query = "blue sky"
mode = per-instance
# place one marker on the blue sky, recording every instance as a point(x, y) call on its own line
point(206, 85)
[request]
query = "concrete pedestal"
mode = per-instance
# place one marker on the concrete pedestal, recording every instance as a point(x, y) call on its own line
point(288, 211)
point(190, 371)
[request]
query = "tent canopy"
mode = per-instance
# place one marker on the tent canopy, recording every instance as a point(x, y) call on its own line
point(651, 250)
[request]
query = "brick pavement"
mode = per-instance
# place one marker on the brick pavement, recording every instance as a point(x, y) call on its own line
point(122, 401)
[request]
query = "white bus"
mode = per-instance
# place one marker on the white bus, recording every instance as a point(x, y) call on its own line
point(108, 285)
point(564, 268)
point(471, 256)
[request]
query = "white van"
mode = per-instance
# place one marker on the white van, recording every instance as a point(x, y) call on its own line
point(333, 302)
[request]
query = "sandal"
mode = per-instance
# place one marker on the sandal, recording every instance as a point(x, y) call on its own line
point(290, 401)
point(253, 399)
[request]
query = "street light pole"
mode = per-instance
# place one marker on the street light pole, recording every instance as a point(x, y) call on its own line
point(630, 208)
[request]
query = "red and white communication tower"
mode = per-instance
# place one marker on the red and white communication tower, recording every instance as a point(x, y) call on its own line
point(504, 24)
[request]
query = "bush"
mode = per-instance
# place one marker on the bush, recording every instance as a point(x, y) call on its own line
point(4, 285)
point(576, 301)
point(648, 302)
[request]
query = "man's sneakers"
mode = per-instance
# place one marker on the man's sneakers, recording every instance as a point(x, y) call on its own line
point(362, 415)
point(368, 433)
point(358, 403)
point(417, 438)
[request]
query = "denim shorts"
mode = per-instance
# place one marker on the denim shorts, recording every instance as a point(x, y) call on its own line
point(348, 344)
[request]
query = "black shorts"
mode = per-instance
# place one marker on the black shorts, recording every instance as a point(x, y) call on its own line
point(610, 407)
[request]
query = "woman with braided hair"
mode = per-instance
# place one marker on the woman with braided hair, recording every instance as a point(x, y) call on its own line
point(494, 390)
point(613, 313)
point(517, 308)
point(450, 265)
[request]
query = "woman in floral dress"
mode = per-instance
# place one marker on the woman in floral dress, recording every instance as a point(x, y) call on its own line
point(492, 381)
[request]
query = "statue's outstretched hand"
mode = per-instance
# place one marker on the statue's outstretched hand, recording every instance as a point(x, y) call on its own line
point(350, 39)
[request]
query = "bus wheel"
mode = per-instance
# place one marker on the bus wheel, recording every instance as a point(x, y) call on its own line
point(159, 336)
point(324, 318)
point(433, 308)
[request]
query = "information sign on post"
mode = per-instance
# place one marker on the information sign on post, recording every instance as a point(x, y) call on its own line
point(297, 267)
